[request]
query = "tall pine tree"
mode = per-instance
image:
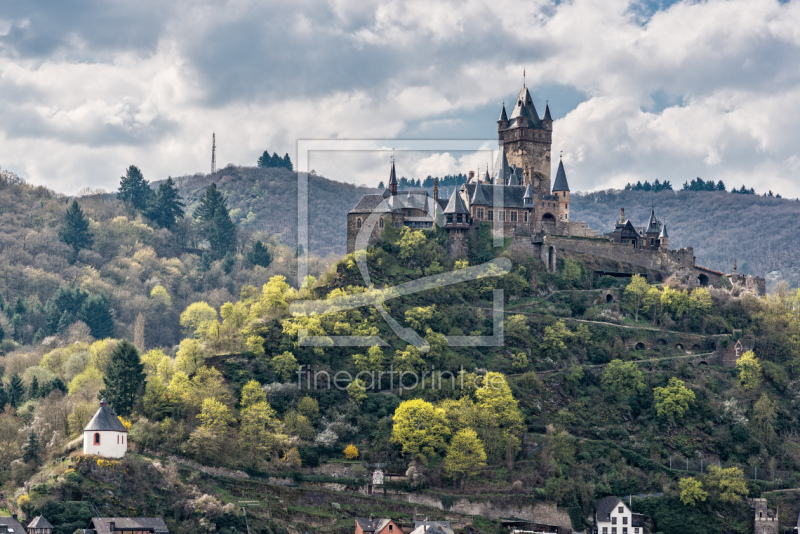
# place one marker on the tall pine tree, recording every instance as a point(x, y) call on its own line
point(166, 207)
point(16, 390)
point(124, 378)
point(259, 254)
point(96, 313)
point(75, 231)
point(134, 189)
point(32, 449)
point(215, 222)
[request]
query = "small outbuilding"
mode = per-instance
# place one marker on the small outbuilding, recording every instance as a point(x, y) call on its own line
point(105, 435)
point(40, 525)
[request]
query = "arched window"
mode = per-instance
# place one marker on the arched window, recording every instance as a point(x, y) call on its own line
point(381, 223)
point(358, 223)
point(97, 438)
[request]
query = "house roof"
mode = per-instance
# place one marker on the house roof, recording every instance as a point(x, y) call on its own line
point(156, 524)
point(456, 204)
point(369, 203)
point(561, 179)
point(477, 197)
point(663, 231)
point(372, 524)
point(511, 195)
point(529, 192)
point(39, 522)
point(12, 524)
point(653, 226)
point(105, 419)
point(432, 527)
point(605, 506)
point(706, 269)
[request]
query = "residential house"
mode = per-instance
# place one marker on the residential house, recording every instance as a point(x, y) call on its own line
point(40, 525)
point(10, 525)
point(127, 525)
point(373, 525)
point(612, 516)
point(432, 527)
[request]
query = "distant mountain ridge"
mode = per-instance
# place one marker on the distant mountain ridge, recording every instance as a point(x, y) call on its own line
point(760, 233)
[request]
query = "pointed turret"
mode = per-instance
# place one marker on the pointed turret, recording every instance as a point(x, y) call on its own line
point(456, 205)
point(530, 195)
point(513, 179)
point(652, 224)
point(524, 113)
point(486, 178)
point(663, 233)
point(393, 180)
point(561, 179)
point(547, 116)
point(504, 169)
point(478, 197)
point(503, 116)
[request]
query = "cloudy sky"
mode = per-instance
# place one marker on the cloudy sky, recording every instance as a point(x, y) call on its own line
point(639, 90)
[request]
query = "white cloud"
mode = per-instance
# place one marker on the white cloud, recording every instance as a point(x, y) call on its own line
point(700, 89)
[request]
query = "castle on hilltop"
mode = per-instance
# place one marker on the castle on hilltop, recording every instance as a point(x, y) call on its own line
point(518, 200)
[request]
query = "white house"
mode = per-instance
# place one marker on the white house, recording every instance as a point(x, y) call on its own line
point(105, 435)
point(612, 516)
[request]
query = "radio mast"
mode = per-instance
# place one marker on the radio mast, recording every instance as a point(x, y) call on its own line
point(213, 153)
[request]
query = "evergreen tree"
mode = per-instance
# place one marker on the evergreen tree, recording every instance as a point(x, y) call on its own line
point(16, 390)
point(67, 301)
point(75, 231)
point(165, 207)
point(287, 162)
point(211, 200)
point(222, 235)
point(124, 378)
point(259, 254)
point(96, 313)
point(3, 398)
point(134, 189)
point(228, 262)
point(264, 160)
point(56, 384)
point(32, 449)
point(33, 391)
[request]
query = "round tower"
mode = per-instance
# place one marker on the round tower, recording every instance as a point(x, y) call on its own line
point(561, 190)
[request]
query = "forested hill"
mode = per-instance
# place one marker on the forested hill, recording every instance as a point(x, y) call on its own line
point(759, 232)
point(265, 200)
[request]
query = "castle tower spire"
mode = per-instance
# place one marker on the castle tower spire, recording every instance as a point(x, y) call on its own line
point(393, 179)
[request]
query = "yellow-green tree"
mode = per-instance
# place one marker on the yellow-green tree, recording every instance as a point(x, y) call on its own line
point(285, 366)
point(309, 407)
point(553, 341)
point(260, 431)
point(636, 292)
point(749, 370)
point(763, 421)
point(371, 362)
point(672, 402)
point(207, 441)
point(728, 485)
point(500, 422)
point(196, 315)
point(465, 456)
point(191, 356)
point(622, 379)
point(419, 428)
point(692, 491)
point(356, 391)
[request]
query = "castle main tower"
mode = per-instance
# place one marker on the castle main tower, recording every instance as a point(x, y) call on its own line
point(526, 140)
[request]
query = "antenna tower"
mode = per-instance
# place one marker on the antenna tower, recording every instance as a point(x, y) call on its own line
point(213, 153)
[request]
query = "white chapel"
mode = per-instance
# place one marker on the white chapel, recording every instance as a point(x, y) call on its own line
point(105, 435)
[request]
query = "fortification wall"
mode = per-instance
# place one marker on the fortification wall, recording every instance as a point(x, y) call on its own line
point(601, 247)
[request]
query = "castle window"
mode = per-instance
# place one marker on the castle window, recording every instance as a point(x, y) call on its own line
point(652, 241)
point(449, 219)
point(381, 223)
point(513, 216)
point(459, 218)
point(490, 215)
point(358, 223)
point(479, 213)
point(526, 216)
point(501, 215)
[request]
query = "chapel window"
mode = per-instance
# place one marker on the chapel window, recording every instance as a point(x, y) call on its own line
point(97, 438)
point(358, 223)
point(381, 223)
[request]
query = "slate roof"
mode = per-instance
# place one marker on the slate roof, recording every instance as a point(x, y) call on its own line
point(456, 204)
point(477, 197)
point(524, 108)
point(529, 192)
point(12, 524)
point(105, 419)
point(605, 506)
point(39, 522)
point(653, 226)
point(511, 195)
point(372, 524)
point(561, 179)
point(663, 231)
point(502, 170)
point(432, 527)
point(503, 116)
point(155, 524)
point(547, 116)
point(392, 175)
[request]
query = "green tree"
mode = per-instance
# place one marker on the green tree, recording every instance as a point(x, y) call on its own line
point(124, 378)
point(553, 342)
point(465, 456)
point(156, 403)
point(196, 314)
point(211, 200)
point(636, 292)
point(692, 491)
point(32, 449)
point(285, 366)
point(765, 416)
point(260, 431)
point(16, 390)
point(165, 207)
point(749, 370)
point(222, 235)
point(134, 189)
point(309, 407)
point(97, 314)
point(356, 391)
point(419, 428)
point(75, 231)
point(622, 379)
point(371, 362)
point(672, 402)
point(33, 390)
point(259, 254)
